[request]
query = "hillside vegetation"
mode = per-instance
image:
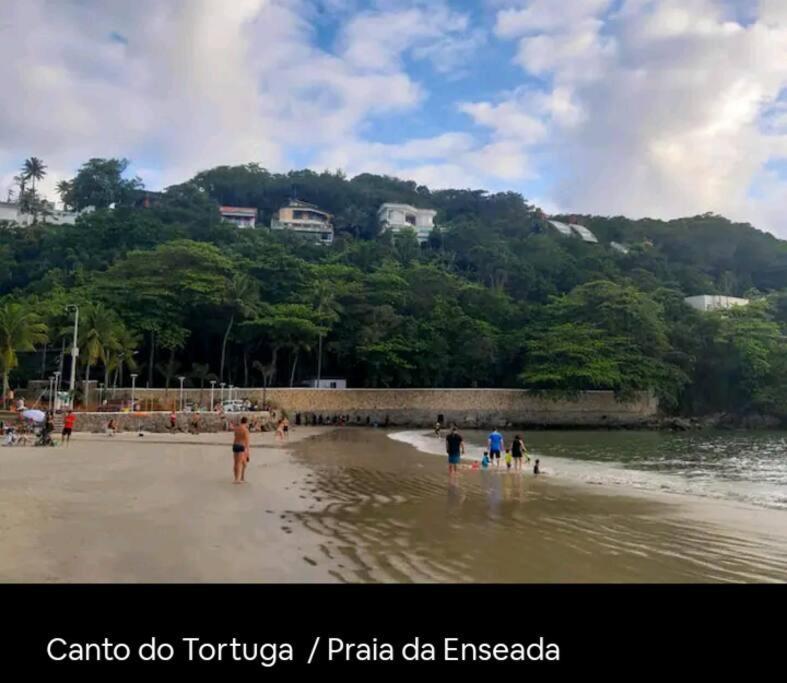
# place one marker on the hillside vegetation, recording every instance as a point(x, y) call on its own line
point(496, 298)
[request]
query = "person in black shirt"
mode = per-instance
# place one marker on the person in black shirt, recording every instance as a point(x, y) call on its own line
point(455, 447)
point(518, 451)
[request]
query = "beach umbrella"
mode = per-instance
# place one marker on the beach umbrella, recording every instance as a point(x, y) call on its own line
point(34, 415)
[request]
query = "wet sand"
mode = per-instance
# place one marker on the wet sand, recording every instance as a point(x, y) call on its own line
point(349, 505)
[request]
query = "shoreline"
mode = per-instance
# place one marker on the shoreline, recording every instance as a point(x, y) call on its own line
point(340, 505)
point(705, 508)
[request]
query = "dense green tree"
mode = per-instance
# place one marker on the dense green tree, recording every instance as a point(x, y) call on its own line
point(100, 183)
point(20, 330)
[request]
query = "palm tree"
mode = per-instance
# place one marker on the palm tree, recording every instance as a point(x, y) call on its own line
point(327, 313)
point(20, 330)
point(241, 297)
point(64, 189)
point(201, 372)
point(121, 354)
point(168, 370)
point(33, 169)
point(99, 331)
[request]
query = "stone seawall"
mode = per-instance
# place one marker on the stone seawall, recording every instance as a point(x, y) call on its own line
point(423, 407)
point(159, 421)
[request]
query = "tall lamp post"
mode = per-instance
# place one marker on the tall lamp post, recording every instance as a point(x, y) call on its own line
point(133, 388)
point(51, 392)
point(180, 379)
point(74, 354)
point(221, 396)
point(212, 387)
point(57, 390)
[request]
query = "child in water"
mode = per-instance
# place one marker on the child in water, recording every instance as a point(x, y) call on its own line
point(485, 460)
point(536, 468)
point(508, 458)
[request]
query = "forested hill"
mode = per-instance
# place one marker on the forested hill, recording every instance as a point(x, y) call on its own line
point(496, 297)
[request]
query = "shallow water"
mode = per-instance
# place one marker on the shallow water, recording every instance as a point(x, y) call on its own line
point(748, 467)
point(388, 512)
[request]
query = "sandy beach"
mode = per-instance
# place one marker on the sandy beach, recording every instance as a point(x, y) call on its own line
point(349, 505)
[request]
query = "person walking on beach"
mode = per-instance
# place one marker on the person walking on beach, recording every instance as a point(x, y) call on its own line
point(455, 447)
point(496, 445)
point(173, 421)
point(518, 451)
point(68, 426)
point(280, 430)
point(240, 450)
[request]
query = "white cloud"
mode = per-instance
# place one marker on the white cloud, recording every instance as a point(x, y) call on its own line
point(662, 108)
point(194, 84)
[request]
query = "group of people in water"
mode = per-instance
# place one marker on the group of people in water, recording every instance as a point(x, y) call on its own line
point(495, 451)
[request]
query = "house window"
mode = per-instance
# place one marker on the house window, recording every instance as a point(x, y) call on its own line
point(410, 219)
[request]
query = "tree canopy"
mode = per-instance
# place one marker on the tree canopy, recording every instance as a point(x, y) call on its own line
point(495, 298)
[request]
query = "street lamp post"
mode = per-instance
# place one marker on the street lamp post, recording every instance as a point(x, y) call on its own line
point(230, 391)
point(74, 354)
point(180, 379)
point(57, 390)
point(212, 387)
point(133, 388)
point(221, 396)
point(100, 393)
point(51, 392)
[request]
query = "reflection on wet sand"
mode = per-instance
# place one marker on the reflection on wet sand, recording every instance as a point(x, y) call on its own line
point(386, 512)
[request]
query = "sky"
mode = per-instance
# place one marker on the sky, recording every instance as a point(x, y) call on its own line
point(661, 108)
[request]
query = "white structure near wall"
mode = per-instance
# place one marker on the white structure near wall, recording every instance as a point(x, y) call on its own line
point(714, 302)
point(400, 217)
point(243, 217)
point(326, 383)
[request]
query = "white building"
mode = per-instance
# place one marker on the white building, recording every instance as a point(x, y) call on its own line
point(617, 246)
point(326, 383)
point(10, 211)
point(399, 217)
point(583, 233)
point(242, 217)
point(306, 220)
point(714, 302)
point(562, 228)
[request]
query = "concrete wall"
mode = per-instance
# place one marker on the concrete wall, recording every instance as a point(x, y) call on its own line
point(159, 421)
point(421, 407)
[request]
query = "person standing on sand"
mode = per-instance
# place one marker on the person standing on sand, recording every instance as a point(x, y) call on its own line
point(496, 445)
point(518, 451)
point(68, 426)
point(280, 430)
point(173, 421)
point(240, 450)
point(455, 447)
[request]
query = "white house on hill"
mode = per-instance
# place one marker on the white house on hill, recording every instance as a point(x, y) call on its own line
point(11, 211)
point(583, 233)
point(400, 217)
point(243, 217)
point(562, 228)
point(714, 302)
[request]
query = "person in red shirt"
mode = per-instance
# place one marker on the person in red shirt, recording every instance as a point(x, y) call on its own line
point(68, 426)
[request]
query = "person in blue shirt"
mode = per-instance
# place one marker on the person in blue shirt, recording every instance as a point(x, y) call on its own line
point(485, 460)
point(496, 445)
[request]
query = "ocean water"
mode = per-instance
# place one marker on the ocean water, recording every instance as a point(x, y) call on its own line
point(748, 467)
